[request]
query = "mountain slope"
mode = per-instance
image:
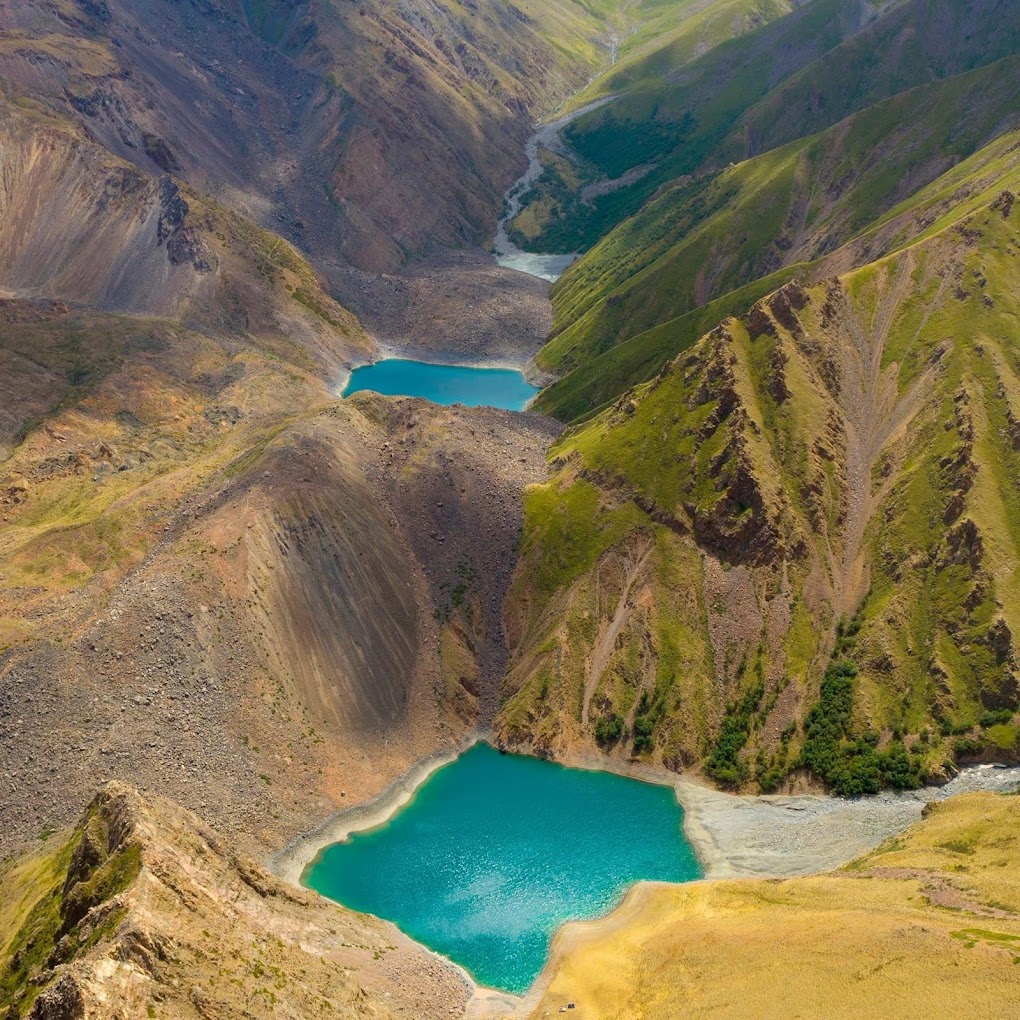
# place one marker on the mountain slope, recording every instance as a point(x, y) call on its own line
point(788, 79)
point(698, 242)
point(143, 910)
point(80, 225)
point(220, 581)
point(368, 131)
point(828, 475)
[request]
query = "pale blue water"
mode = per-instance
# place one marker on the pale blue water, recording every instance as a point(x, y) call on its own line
point(545, 267)
point(496, 851)
point(444, 384)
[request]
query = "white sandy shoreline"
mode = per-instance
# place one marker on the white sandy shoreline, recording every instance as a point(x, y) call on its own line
point(733, 836)
point(784, 836)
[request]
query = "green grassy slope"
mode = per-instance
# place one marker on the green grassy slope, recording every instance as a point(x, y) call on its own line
point(667, 34)
point(824, 480)
point(669, 122)
point(698, 242)
point(50, 912)
point(789, 78)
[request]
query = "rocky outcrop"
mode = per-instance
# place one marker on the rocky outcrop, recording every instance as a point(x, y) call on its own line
point(152, 910)
point(183, 244)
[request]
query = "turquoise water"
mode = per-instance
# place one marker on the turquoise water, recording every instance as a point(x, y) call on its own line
point(496, 851)
point(545, 267)
point(444, 384)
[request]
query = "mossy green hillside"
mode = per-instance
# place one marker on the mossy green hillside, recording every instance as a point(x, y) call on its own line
point(788, 78)
point(830, 475)
point(712, 238)
point(666, 35)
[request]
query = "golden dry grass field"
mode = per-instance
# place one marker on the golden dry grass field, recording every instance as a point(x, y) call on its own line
point(926, 927)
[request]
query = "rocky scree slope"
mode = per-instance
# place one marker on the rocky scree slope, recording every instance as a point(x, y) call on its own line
point(80, 225)
point(218, 580)
point(221, 582)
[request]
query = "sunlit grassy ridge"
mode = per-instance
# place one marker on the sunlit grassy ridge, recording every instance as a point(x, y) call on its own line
point(675, 113)
point(667, 34)
point(794, 73)
point(708, 240)
point(47, 896)
point(828, 475)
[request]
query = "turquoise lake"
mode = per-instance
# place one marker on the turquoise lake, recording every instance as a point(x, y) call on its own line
point(444, 384)
point(496, 851)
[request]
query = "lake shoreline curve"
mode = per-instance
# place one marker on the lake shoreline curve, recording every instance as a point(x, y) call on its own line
point(291, 863)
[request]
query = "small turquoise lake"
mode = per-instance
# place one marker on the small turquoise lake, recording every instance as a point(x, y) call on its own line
point(496, 851)
point(444, 384)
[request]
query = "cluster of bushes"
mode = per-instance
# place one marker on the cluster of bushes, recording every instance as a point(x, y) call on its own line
point(644, 724)
point(846, 632)
point(609, 728)
point(851, 765)
point(725, 764)
point(967, 747)
point(772, 771)
point(995, 717)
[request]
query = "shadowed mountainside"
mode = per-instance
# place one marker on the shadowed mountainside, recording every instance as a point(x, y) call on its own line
point(372, 131)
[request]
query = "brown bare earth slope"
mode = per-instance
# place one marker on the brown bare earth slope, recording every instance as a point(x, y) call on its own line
point(926, 926)
point(81, 225)
point(372, 130)
point(220, 582)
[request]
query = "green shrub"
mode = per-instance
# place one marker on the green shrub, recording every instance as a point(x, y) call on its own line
point(995, 717)
point(725, 764)
point(643, 740)
point(967, 746)
point(1004, 736)
point(851, 765)
point(608, 728)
